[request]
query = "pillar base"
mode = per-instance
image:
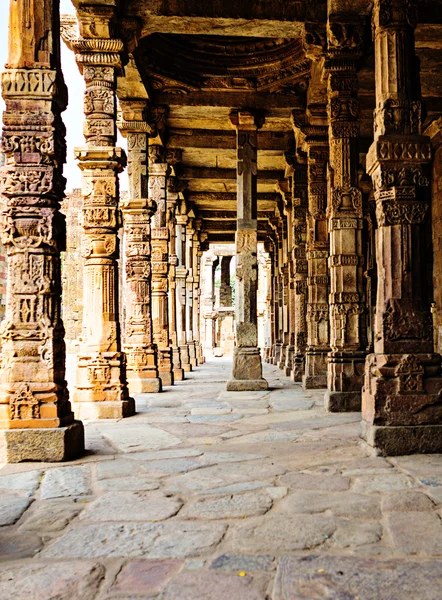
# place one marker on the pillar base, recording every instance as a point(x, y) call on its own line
point(200, 359)
point(298, 368)
point(140, 385)
point(43, 444)
point(315, 376)
point(247, 371)
point(342, 401)
point(185, 361)
point(400, 440)
point(178, 375)
point(282, 357)
point(166, 378)
point(90, 411)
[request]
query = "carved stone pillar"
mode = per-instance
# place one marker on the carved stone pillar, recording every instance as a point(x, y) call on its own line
point(142, 367)
point(317, 256)
point(210, 263)
point(36, 419)
point(247, 368)
point(189, 292)
point(401, 405)
point(345, 221)
point(159, 171)
point(300, 207)
point(197, 254)
point(101, 389)
point(225, 291)
point(172, 199)
point(180, 289)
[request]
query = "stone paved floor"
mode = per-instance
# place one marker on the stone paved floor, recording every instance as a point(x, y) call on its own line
point(209, 495)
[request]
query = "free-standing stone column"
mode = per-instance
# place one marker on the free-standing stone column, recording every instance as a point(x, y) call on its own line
point(401, 402)
point(142, 368)
point(225, 290)
point(347, 300)
point(190, 231)
point(36, 420)
point(101, 390)
point(317, 256)
point(247, 368)
point(197, 254)
point(159, 171)
point(180, 289)
point(300, 206)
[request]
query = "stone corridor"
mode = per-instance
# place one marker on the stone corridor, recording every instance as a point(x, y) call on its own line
point(209, 495)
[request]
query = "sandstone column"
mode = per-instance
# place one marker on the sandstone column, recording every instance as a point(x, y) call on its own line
point(142, 367)
point(190, 231)
point(300, 207)
point(345, 220)
point(180, 290)
point(225, 292)
point(317, 256)
point(401, 404)
point(197, 254)
point(210, 263)
point(159, 171)
point(36, 419)
point(247, 368)
point(101, 390)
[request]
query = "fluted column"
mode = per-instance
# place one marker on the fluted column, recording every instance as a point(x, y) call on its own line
point(159, 171)
point(401, 405)
point(345, 220)
point(247, 368)
point(300, 267)
point(142, 360)
point(36, 420)
point(101, 390)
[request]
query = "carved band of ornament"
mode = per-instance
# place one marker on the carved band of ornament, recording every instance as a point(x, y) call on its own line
point(28, 181)
point(345, 297)
point(406, 324)
point(394, 13)
point(23, 404)
point(345, 129)
point(29, 227)
point(300, 288)
point(400, 213)
point(348, 308)
point(97, 45)
point(138, 269)
point(345, 36)
point(398, 116)
point(101, 59)
point(299, 252)
point(400, 177)
point(300, 266)
point(389, 150)
point(346, 199)
point(345, 223)
point(343, 107)
point(344, 260)
point(315, 254)
point(318, 280)
point(161, 233)
point(29, 82)
point(97, 128)
point(99, 245)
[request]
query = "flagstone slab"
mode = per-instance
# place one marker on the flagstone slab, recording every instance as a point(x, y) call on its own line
point(230, 506)
point(12, 506)
point(44, 581)
point(134, 438)
point(164, 454)
point(243, 562)
point(209, 586)
point(276, 533)
point(134, 484)
point(17, 545)
point(320, 482)
point(411, 501)
point(28, 482)
point(184, 539)
point(341, 504)
point(131, 506)
point(145, 576)
point(347, 578)
point(416, 532)
point(66, 481)
point(353, 533)
point(51, 515)
point(383, 483)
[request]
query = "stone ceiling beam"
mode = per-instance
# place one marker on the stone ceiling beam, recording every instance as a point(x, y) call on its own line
point(230, 174)
point(198, 138)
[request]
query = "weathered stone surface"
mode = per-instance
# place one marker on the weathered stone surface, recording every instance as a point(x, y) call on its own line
point(165, 454)
point(134, 438)
point(383, 483)
point(151, 540)
point(46, 445)
point(277, 533)
point(356, 533)
point(220, 457)
point(145, 577)
point(51, 515)
point(416, 532)
point(324, 577)
point(12, 506)
point(61, 581)
point(224, 507)
point(66, 481)
point(173, 465)
point(207, 586)
point(323, 483)
point(19, 545)
point(341, 504)
point(287, 405)
point(133, 484)
point(218, 418)
point(116, 468)
point(28, 482)
point(234, 488)
point(406, 502)
point(244, 562)
point(127, 506)
point(224, 474)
